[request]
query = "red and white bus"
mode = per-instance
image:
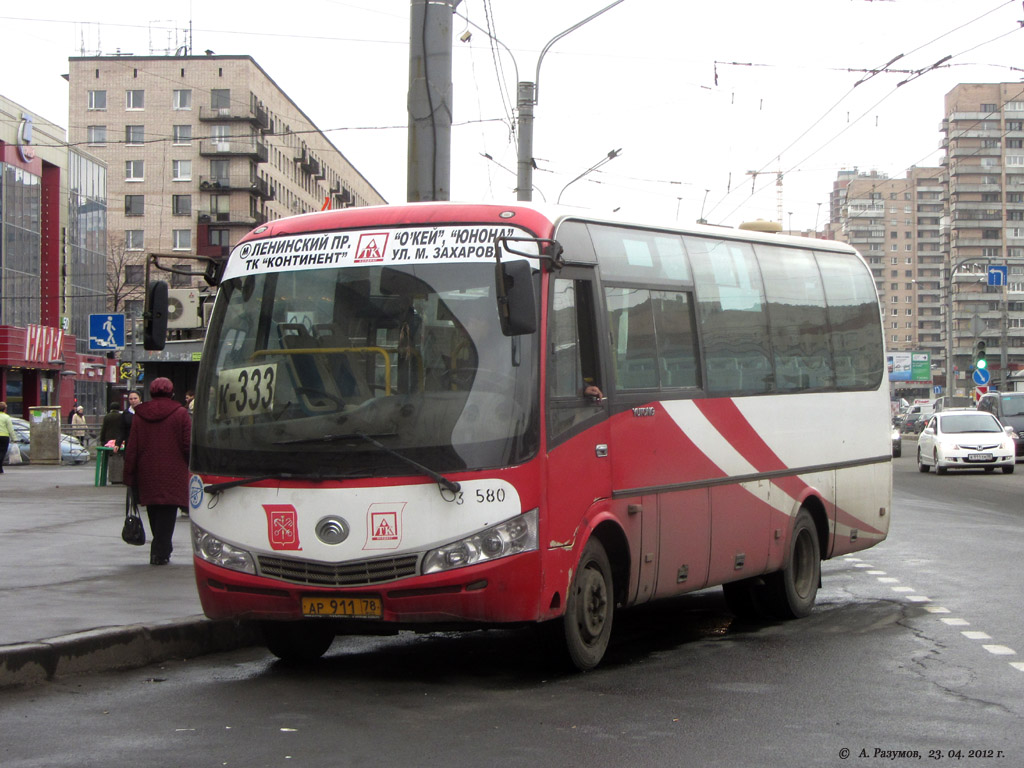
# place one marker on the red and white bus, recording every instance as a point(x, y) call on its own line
point(441, 414)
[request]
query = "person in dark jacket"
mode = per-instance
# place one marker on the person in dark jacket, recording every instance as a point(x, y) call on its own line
point(156, 463)
point(113, 427)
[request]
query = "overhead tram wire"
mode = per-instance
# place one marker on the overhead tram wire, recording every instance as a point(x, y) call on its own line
point(872, 73)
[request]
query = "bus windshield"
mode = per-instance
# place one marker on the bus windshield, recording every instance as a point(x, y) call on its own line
point(345, 372)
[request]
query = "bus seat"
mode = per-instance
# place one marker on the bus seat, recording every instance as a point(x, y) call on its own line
point(312, 380)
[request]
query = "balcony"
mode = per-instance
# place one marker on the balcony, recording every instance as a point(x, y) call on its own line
point(237, 146)
point(231, 219)
point(258, 187)
point(234, 113)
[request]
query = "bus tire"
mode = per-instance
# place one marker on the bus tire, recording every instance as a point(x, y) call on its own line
point(297, 642)
point(589, 608)
point(790, 593)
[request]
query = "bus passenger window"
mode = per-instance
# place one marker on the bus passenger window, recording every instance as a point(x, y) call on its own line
point(573, 363)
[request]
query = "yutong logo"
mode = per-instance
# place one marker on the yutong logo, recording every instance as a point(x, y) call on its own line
point(645, 411)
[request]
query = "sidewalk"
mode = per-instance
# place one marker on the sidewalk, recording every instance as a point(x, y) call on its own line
point(75, 598)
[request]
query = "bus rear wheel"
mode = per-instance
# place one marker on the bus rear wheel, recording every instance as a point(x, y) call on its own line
point(790, 593)
point(589, 608)
point(297, 641)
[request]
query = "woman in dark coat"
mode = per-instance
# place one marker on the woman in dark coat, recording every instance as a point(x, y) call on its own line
point(156, 463)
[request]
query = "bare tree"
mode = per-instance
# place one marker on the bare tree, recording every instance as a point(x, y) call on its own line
point(125, 270)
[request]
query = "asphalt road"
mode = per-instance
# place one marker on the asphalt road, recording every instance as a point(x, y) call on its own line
point(882, 668)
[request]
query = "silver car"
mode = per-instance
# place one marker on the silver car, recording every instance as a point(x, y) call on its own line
point(965, 439)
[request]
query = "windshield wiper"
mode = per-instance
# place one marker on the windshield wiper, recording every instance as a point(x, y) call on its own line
point(218, 487)
point(437, 477)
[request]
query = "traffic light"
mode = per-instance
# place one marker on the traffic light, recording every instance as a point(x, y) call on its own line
point(979, 356)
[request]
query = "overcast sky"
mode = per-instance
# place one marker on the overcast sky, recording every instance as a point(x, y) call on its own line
point(640, 77)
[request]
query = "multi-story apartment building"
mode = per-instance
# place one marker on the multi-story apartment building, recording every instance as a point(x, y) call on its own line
point(201, 149)
point(53, 233)
point(984, 142)
point(896, 224)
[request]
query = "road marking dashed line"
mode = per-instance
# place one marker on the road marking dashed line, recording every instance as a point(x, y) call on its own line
point(905, 592)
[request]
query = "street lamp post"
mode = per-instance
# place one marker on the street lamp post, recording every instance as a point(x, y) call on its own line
point(526, 99)
point(606, 159)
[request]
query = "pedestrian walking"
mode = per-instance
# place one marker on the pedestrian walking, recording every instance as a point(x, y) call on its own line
point(78, 423)
point(112, 429)
point(6, 433)
point(156, 463)
point(134, 398)
point(190, 401)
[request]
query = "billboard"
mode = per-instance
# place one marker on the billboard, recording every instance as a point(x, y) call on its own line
point(909, 366)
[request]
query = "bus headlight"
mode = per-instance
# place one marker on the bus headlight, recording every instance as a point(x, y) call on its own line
point(511, 537)
point(213, 550)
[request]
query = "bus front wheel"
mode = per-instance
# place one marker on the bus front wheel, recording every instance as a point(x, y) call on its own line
point(589, 608)
point(791, 592)
point(297, 641)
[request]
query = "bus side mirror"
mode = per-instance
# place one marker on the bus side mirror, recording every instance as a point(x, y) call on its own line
point(517, 302)
point(155, 316)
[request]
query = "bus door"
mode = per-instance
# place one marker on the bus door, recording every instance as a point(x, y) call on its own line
point(578, 473)
point(653, 356)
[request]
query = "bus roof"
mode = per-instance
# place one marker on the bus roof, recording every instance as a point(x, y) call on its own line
point(540, 219)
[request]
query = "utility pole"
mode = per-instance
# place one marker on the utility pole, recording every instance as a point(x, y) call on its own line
point(526, 99)
point(428, 176)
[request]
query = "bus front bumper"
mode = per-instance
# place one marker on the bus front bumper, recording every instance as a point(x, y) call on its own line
point(503, 591)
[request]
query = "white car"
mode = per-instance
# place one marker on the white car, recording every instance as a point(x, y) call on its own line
point(964, 439)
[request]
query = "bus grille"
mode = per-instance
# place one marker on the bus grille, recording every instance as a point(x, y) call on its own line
point(354, 574)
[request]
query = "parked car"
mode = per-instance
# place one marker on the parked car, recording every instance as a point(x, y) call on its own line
point(71, 449)
point(965, 439)
point(1008, 407)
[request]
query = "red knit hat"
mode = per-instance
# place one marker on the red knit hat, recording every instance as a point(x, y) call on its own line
point(161, 387)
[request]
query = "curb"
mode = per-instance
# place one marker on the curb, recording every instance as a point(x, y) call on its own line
point(129, 647)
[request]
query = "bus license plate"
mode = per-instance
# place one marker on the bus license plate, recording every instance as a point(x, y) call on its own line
point(351, 607)
point(979, 457)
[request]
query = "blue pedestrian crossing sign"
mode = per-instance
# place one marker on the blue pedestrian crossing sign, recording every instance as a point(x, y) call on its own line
point(106, 332)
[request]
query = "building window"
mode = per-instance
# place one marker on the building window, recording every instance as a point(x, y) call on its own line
point(220, 99)
point(182, 100)
point(220, 207)
point(182, 239)
point(133, 170)
point(134, 274)
point(1015, 106)
point(134, 99)
point(1015, 125)
point(179, 280)
point(183, 134)
point(133, 239)
point(989, 107)
point(134, 205)
point(221, 237)
point(134, 307)
point(181, 170)
point(220, 172)
point(97, 99)
point(135, 134)
point(96, 134)
point(181, 205)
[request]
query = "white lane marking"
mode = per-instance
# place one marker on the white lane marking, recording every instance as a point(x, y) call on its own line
point(1000, 650)
point(936, 609)
point(956, 622)
point(1019, 665)
point(887, 580)
point(902, 589)
point(972, 635)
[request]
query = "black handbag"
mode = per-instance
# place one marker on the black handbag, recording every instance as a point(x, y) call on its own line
point(132, 532)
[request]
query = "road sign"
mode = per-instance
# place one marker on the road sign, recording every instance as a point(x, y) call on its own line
point(997, 274)
point(106, 332)
point(981, 376)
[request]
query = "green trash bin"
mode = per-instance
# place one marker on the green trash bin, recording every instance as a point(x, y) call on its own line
point(102, 454)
